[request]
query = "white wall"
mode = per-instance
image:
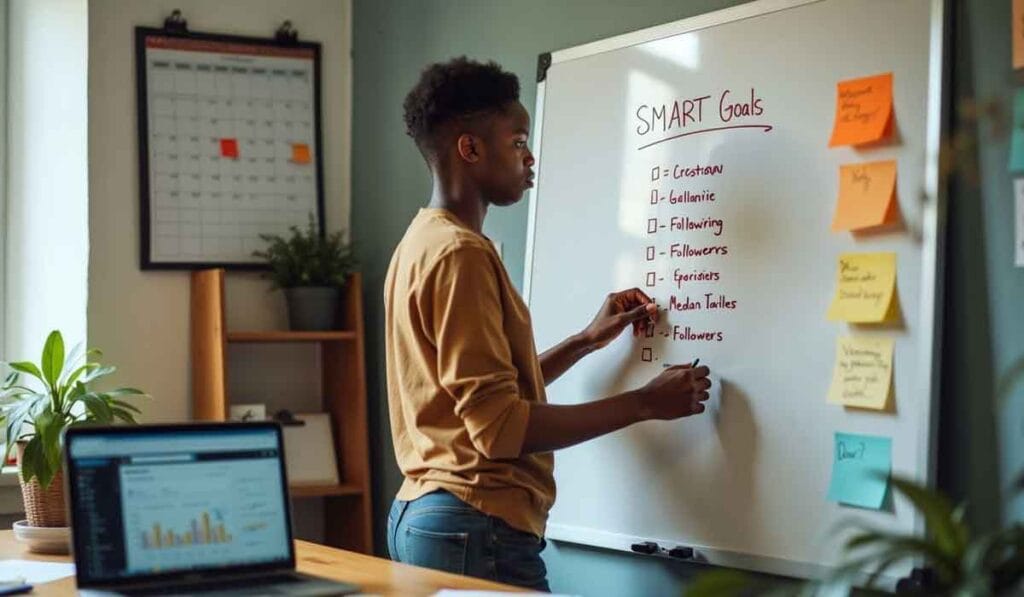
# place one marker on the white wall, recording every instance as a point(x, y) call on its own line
point(141, 319)
point(47, 244)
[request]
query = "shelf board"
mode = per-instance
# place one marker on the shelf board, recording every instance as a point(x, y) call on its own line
point(299, 490)
point(288, 336)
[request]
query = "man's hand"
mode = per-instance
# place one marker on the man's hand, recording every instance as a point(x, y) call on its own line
point(678, 391)
point(621, 309)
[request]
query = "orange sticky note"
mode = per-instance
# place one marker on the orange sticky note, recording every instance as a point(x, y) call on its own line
point(229, 148)
point(863, 110)
point(300, 153)
point(867, 196)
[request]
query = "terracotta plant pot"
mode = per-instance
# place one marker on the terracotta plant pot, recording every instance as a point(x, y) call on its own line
point(43, 507)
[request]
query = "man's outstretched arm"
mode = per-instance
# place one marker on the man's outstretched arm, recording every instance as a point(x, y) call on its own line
point(619, 311)
point(677, 392)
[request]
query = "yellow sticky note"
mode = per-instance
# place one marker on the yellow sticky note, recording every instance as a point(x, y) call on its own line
point(865, 289)
point(300, 153)
point(863, 110)
point(867, 196)
point(862, 377)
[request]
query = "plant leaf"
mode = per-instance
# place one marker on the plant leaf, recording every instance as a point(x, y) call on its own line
point(907, 543)
point(950, 536)
point(97, 408)
point(15, 418)
point(123, 415)
point(28, 368)
point(53, 358)
point(125, 392)
point(126, 406)
point(74, 375)
point(97, 372)
point(48, 428)
point(69, 362)
point(720, 583)
point(34, 463)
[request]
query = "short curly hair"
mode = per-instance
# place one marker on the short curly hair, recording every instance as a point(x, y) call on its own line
point(453, 90)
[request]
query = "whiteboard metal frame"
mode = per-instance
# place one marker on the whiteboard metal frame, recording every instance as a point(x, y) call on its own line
point(933, 266)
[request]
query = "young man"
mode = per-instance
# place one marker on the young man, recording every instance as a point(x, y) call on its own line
point(472, 429)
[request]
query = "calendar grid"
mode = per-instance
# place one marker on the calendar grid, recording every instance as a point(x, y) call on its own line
point(231, 147)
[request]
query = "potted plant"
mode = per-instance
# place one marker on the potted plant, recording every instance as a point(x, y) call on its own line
point(953, 560)
point(39, 401)
point(312, 270)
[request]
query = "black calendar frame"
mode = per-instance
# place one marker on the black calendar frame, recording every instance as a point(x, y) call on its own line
point(142, 109)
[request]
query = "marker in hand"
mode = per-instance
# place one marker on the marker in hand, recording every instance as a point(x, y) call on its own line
point(692, 365)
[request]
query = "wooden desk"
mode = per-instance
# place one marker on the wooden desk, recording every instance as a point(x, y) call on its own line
point(375, 575)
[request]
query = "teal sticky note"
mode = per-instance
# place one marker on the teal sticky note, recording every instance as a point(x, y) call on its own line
point(1017, 137)
point(860, 470)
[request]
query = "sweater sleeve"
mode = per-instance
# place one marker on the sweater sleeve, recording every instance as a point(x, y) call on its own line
point(462, 312)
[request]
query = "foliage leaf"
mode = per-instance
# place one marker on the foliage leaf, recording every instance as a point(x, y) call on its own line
point(53, 358)
point(29, 368)
point(307, 258)
point(38, 417)
point(949, 534)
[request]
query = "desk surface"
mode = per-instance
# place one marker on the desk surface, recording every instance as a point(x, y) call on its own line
point(375, 575)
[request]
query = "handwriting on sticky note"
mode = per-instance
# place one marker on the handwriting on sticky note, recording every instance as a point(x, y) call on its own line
point(300, 153)
point(863, 110)
point(865, 289)
point(862, 377)
point(867, 196)
point(860, 469)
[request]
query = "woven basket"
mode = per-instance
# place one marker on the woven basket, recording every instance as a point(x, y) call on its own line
point(43, 507)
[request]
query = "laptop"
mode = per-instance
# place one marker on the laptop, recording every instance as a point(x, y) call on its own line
point(193, 509)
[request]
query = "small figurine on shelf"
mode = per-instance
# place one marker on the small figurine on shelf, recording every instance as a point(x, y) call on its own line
point(312, 269)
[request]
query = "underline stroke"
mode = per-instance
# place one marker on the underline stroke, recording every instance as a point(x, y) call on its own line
point(765, 127)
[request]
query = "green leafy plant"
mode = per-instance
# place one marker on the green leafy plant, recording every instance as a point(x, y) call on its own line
point(56, 395)
point(963, 564)
point(307, 259)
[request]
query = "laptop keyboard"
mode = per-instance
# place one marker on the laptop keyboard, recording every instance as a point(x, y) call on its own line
point(282, 584)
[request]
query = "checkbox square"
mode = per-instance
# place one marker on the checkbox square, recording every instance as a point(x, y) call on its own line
point(650, 279)
point(652, 225)
point(647, 355)
point(655, 173)
point(650, 253)
point(649, 331)
point(654, 197)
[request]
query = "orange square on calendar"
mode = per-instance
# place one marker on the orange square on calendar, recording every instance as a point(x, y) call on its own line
point(300, 153)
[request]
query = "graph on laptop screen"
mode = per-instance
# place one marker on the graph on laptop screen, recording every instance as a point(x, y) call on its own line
point(184, 501)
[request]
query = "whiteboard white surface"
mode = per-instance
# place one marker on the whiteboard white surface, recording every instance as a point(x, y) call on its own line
point(746, 483)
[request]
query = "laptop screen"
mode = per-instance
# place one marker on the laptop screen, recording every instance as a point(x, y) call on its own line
point(166, 500)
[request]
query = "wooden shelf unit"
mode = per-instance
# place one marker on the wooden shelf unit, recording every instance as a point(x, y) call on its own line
point(348, 507)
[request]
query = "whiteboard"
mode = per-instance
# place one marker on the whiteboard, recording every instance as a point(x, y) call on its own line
point(229, 146)
point(745, 484)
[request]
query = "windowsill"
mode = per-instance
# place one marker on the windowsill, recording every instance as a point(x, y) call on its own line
point(10, 491)
point(9, 476)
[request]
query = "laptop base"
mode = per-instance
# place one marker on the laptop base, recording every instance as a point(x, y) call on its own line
point(293, 583)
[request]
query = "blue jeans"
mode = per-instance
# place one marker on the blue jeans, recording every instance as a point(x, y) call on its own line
point(442, 532)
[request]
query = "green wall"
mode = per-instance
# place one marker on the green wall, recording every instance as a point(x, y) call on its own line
point(984, 319)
